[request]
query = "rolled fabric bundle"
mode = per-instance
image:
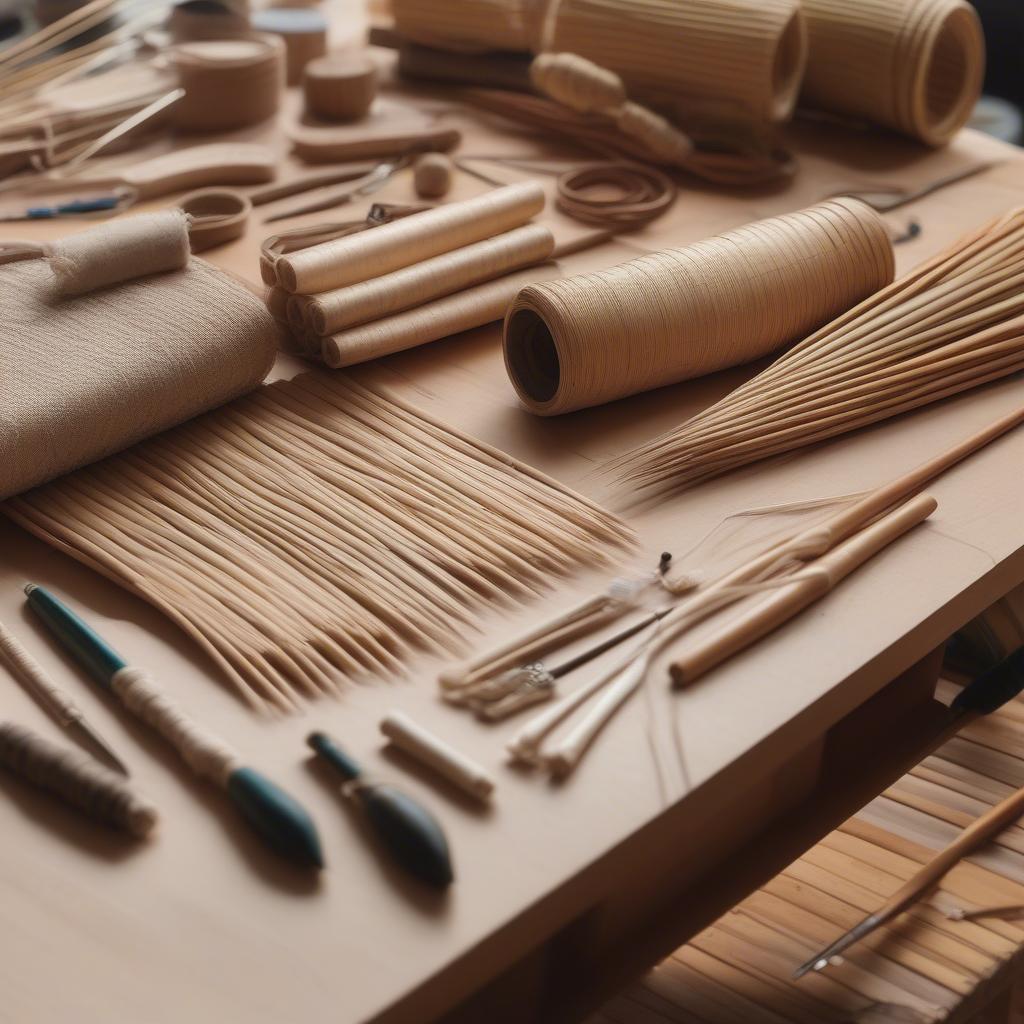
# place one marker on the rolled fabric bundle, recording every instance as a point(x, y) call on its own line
point(462, 311)
point(681, 313)
point(915, 66)
point(89, 374)
point(368, 254)
point(742, 57)
point(431, 279)
point(228, 83)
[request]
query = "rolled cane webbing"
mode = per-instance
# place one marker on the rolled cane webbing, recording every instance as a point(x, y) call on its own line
point(954, 323)
point(89, 375)
point(748, 55)
point(76, 778)
point(230, 83)
point(369, 254)
point(682, 313)
point(431, 279)
point(462, 311)
point(314, 531)
point(340, 87)
point(303, 32)
point(912, 65)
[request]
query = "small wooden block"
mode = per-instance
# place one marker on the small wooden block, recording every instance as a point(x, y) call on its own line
point(340, 87)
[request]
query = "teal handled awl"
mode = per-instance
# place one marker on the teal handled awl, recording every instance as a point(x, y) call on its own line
point(409, 830)
point(279, 818)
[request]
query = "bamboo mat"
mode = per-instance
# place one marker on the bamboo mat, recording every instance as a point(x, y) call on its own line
point(924, 967)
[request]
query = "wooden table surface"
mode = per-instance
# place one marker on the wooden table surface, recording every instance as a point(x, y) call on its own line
point(203, 925)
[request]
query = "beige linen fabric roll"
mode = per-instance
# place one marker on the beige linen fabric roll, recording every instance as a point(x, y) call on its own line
point(915, 66)
point(681, 313)
point(92, 374)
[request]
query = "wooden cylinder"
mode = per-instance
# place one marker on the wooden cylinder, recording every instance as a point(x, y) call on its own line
point(681, 313)
point(303, 32)
point(228, 83)
point(206, 19)
point(340, 87)
point(915, 66)
point(432, 175)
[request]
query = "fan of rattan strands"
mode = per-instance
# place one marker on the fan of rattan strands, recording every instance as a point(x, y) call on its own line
point(954, 323)
point(315, 531)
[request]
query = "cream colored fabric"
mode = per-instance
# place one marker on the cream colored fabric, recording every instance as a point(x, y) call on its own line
point(89, 375)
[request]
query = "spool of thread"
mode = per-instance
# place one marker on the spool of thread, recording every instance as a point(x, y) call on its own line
point(432, 175)
point(77, 779)
point(206, 19)
point(433, 752)
point(401, 243)
point(461, 311)
point(217, 216)
point(341, 87)
point(428, 280)
point(681, 313)
point(229, 83)
point(915, 66)
point(303, 32)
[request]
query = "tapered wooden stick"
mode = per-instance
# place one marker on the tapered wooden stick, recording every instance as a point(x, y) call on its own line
point(983, 696)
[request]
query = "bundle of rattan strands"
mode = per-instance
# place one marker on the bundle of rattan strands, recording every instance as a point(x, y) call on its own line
point(316, 530)
point(954, 323)
point(228, 83)
point(681, 313)
point(912, 65)
point(615, 195)
point(747, 55)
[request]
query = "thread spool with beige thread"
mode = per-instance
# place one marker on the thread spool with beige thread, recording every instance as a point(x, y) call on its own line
point(681, 313)
point(435, 753)
point(915, 66)
point(432, 175)
point(430, 279)
point(369, 254)
point(340, 87)
point(462, 311)
point(303, 31)
point(228, 83)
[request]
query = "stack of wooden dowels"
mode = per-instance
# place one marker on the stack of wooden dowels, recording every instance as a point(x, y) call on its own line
point(954, 323)
point(412, 281)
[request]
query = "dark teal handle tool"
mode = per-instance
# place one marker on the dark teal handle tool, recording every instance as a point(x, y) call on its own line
point(280, 819)
point(408, 830)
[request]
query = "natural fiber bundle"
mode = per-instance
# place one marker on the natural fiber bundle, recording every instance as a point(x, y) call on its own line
point(681, 313)
point(912, 65)
point(369, 254)
point(428, 280)
point(316, 530)
point(77, 779)
point(462, 311)
point(89, 375)
point(230, 83)
point(954, 323)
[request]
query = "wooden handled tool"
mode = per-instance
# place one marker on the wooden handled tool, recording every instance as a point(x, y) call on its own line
point(986, 694)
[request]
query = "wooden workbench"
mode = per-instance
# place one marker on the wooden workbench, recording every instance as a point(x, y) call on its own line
point(202, 925)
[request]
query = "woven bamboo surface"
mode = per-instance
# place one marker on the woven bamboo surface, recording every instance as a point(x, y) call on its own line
point(924, 967)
